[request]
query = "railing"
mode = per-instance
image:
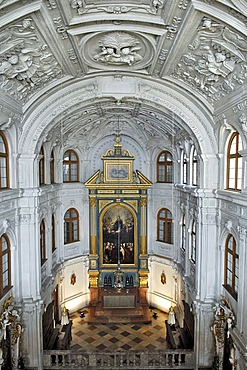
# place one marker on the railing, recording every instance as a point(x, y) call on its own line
point(182, 359)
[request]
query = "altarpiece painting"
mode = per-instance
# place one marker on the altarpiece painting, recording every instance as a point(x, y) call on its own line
point(118, 236)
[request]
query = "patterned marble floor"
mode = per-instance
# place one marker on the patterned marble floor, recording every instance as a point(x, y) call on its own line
point(91, 337)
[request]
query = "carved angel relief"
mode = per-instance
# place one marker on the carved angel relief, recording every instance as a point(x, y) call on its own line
point(118, 48)
point(216, 61)
point(25, 62)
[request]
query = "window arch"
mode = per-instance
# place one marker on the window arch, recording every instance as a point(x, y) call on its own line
point(42, 167)
point(165, 226)
point(5, 265)
point(193, 242)
point(53, 233)
point(4, 162)
point(52, 167)
point(231, 266)
point(71, 226)
point(42, 240)
point(183, 236)
point(70, 166)
point(165, 167)
point(234, 163)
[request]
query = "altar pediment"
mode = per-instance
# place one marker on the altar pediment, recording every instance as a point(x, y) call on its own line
point(118, 171)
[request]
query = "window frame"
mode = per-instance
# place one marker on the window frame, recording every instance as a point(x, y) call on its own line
point(53, 233)
point(42, 167)
point(233, 253)
point(231, 156)
point(165, 222)
point(194, 166)
point(70, 231)
point(42, 241)
point(52, 167)
point(183, 233)
point(5, 157)
point(69, 163)
point(4, 290)
point(193, 242)
point(165, 164)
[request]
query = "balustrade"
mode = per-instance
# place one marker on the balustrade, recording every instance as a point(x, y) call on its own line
point(184, 359)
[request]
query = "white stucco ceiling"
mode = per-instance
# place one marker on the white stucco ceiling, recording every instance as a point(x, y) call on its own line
point(72, 70)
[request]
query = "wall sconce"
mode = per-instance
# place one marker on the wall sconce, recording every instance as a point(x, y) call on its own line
point(73, 279)
point(163, 277)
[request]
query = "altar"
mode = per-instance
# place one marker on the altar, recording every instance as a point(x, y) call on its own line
point(118, 259)
point(112, 298)
point(119, 306)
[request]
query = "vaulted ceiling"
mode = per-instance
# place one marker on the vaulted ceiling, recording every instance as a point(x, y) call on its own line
point(74, 70)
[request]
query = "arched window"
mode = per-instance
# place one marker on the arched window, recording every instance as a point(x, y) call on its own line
point(42, 167)
point(5, 265)
point(4, 162)
point(193, 242)
point(53, 233)
point(165, 167)
point(71, 226)
point(42, 242)
point(70, 166)
point(52, 167)
point(183, 236)
point(184, 168)
point(164, 223)
point(194, 167)
point(231, 266)
point(234, 163)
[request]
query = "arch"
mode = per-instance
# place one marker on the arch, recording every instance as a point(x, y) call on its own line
point(73, 98)
point(234, 163)
point(164, 167)
point(42, 167)
point(165, 226)
point(4, 162)
point(71, 226)
point(70, 166)
point(5, 264)
point(231, 266)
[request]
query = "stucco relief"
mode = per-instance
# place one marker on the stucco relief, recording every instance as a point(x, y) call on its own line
point(25, 61)
point(155, 5)
point(243, 121)
point(215, 63)
point(118, 49)
point(79, 5)
point(116, 9)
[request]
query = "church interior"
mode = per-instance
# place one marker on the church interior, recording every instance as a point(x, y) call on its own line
point(123, 184)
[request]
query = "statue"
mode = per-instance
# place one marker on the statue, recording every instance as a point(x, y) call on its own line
point(224, 321)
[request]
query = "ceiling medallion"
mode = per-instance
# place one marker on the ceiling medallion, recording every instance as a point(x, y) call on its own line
point(118, 48)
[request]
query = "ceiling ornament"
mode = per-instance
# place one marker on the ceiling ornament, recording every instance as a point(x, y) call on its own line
point(26, 62)
point(116, 9)
point(79, 5)
point(155, 5)
point(215, 63)
point(118, 49)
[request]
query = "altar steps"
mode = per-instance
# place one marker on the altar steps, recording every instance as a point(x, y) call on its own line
point(139, 314)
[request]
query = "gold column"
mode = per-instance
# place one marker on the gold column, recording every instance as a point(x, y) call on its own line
point(143, 236)
point(93, 226)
